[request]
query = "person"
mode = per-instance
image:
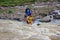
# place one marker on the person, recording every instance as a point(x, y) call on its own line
point(27, 11)
point(28, 16)
point(29, 19)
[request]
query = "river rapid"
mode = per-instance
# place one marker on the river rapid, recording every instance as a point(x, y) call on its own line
point(15, 30)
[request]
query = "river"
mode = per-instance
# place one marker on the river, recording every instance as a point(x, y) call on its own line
point(15, 30)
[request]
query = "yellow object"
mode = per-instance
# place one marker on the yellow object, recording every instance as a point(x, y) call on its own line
point(29, 19)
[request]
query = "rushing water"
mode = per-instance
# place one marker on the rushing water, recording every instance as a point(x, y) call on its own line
point(14, 30)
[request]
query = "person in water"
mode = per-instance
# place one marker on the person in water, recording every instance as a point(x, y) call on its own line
point(28, 12)
point(28, 16)
point(29, 19)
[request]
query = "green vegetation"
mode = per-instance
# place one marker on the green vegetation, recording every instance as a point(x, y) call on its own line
point(41, 0)
point(58, 0)
point(10, 11)
point(19, 2)
point(14, 2)
point(44, 0)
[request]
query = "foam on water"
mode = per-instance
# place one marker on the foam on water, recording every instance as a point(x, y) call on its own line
point(21, 31)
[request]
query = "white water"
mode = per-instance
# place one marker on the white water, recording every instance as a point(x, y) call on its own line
point(14, 30)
